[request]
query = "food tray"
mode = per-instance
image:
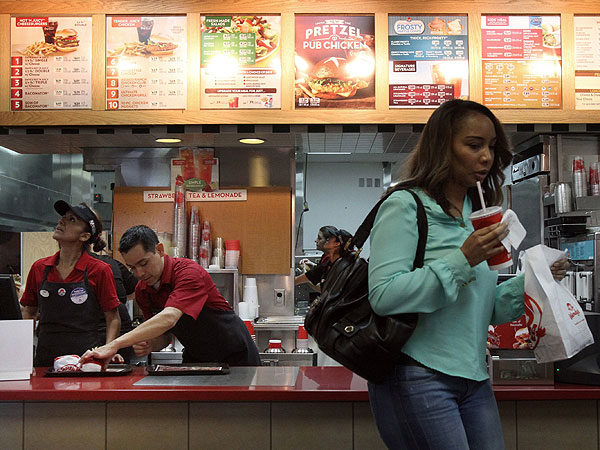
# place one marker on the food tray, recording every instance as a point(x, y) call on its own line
point(113, 370)
point(188, 369)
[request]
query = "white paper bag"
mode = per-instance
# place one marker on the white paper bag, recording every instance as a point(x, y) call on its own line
point(557, 326)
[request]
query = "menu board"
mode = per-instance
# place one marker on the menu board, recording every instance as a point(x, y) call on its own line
point(428, 60)
point(587, 62)
point(50, 63)
point(335, 62)
point(146, 62)
point(521, 61)
point(241, 62)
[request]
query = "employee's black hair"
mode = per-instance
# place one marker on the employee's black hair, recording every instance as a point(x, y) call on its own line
point(95, 241)
point(329, 231)
point(138, 234)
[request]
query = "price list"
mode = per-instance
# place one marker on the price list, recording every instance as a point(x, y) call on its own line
point(146, 62)
point(241, 64)
point(428, 60)
point(50, 63)
point(239, 46)
point(587, 62)
point(521, 61)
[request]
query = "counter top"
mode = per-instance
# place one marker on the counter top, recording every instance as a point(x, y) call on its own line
point(312, 384)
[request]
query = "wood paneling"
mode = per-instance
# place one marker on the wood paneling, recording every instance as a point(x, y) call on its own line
point(287, 9)
point(262, 223)
point(35, 245)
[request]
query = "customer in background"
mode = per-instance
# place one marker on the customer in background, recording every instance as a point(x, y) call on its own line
point(125, 283)
point(178, 297)
point(439, 395)
point(71, 290)
point(331, 242)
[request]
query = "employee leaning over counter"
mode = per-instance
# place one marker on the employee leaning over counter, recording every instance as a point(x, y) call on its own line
point(176, 295)
point(71, 289)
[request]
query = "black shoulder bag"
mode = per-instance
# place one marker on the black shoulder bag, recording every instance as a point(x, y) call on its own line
point(341, 319)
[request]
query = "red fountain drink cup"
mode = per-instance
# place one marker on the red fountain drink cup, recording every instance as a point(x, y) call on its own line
point(482, 219)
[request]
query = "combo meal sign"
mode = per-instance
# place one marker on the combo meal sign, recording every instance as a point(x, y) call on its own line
point(50, 63)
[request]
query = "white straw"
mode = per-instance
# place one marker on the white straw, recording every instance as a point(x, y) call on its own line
point(481, 195)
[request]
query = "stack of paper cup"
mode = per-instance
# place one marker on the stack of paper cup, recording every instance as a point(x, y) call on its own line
point(232, 254)
point(218, 253)
point(251, 296)
point(579, 181)
point(244, 311)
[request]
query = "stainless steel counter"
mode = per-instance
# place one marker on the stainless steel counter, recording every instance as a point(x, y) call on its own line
point(239, 376)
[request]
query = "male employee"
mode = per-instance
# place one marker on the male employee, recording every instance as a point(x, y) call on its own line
point(176, 295)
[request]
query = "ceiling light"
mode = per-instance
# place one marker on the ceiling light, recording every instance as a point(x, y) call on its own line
point(168, 140)
point(253, 141)
point(9, 151)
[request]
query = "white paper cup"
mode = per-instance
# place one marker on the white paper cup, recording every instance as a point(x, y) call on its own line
point(250, 282)
point(244, 311)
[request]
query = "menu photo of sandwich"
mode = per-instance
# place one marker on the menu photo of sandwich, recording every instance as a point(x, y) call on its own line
point(65, 40)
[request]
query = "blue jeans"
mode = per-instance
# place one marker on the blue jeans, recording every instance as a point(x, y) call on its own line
point(422, 409)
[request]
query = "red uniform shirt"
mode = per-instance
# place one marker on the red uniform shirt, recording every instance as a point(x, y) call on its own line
point(99, 275)
point(184, 285)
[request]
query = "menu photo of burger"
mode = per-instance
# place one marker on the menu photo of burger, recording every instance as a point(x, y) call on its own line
point(332, 78)
point(66, 40)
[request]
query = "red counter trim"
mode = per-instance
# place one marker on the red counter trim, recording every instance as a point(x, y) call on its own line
point(326, 384)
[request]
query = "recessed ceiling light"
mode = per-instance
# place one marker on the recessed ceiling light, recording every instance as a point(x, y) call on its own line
point(168, 140)
point(252, 141)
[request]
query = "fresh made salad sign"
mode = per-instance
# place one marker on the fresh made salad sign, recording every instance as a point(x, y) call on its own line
point(146, 62)
point(50, 63)
point(241, 62)
point(587, 62)
point(335, 62)
point(521, 61)
point(428, 60)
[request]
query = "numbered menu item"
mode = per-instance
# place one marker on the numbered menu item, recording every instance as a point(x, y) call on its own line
point(50, 63)
point(335, 62)
point(521, 61)
point(146, 62)
point(587, 62)
point(241, 62)
point(428, 60)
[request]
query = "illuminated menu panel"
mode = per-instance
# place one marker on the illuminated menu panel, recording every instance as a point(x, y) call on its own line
point(428, 60)
point(335, 62)
point(146, 62)
point(50, 63)
point(587, 62)
point(521, 61)
point(241, 62)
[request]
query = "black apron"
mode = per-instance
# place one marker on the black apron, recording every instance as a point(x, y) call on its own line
point(68, 322)
point(215, 336)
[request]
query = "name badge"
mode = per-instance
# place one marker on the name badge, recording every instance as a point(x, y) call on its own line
point(79, 295)
point(62, 292)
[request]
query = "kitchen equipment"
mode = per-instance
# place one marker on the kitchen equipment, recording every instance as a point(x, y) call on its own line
point(530, 178)
point(563, 198)
point(302, 341)
point(519, 367)
point(569, 282)
point(584, 252)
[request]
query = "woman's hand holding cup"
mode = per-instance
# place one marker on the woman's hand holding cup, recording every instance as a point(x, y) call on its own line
point(482, 244)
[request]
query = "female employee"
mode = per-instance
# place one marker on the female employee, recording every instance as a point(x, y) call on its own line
point(439, 395)
point(70, 288)
point(331, 242)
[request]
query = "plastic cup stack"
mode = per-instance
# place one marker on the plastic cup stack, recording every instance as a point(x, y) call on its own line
point(250, 328)
point(579, 181)
point(595, 178)
point(232, 254)
point(205, 247)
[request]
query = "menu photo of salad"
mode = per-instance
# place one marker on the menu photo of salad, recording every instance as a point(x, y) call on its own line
point(50, 63)
point(240, 62)
point(146, 62)
point(335, 62)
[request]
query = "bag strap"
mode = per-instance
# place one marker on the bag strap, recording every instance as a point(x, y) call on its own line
point(364, 230)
